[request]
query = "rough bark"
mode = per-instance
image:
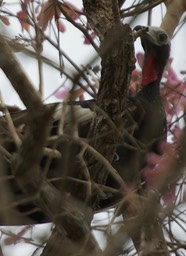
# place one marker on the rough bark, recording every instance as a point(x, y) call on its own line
point(108, 127)
point(102, 15)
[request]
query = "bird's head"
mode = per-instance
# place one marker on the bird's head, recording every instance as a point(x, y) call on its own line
point(156, 44)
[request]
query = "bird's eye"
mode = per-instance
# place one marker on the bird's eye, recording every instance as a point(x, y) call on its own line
point(162, 37)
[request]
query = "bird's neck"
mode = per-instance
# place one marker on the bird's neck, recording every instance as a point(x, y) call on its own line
point(151, 76)
point(151, 73)
point(150, 93)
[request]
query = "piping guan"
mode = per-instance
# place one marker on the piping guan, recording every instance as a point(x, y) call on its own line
point(146, 107)
point(147, 118)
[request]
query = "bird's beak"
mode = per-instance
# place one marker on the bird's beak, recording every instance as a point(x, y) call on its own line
point(138, 31)
point(155, 35)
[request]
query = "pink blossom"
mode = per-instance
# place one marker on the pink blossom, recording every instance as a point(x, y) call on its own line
point(170, 74)
point(86, 41)
point(170, 195)
point(62, 92)
point(140, 58)
point(60, 25)
point(157, 168)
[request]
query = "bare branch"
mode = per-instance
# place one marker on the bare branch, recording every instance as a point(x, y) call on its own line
point(175, 10)
point(18, 79)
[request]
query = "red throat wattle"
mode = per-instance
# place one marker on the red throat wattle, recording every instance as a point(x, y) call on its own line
point(150, 73)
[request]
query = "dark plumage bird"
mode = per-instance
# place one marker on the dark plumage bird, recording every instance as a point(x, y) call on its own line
point(146, 108)
point(147, 126)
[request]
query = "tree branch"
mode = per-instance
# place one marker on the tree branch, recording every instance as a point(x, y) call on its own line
point(60, 208)
point(18, 79)
point(175, 10)
point(102, 15)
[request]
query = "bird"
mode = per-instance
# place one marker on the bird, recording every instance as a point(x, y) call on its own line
point(146, 106)
point(146, 125)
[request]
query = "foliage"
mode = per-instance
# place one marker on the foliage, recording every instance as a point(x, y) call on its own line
point(44, 24)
